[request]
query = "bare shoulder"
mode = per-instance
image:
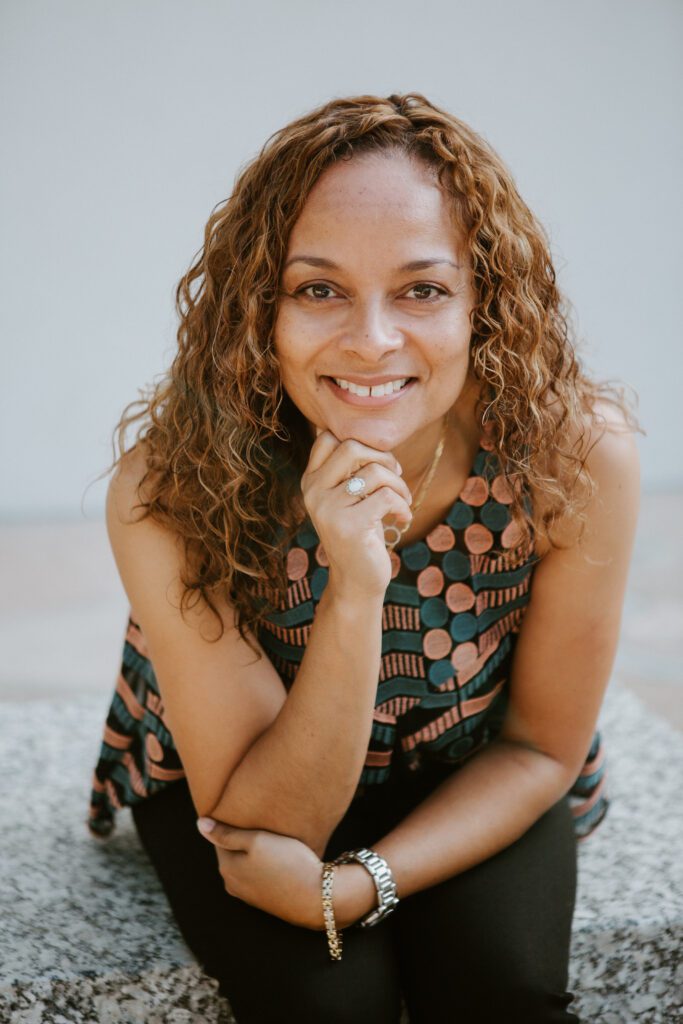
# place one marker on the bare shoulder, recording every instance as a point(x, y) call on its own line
point(149, 555)
point(126, 492)
point(607, 447)
point(610, 445)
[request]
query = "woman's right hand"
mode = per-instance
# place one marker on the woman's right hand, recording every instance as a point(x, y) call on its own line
point(350, 528)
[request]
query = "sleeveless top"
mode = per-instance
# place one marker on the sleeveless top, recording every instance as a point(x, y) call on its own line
point(452, 613)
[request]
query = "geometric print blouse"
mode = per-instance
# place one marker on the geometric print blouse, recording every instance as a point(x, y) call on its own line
point(452, 613)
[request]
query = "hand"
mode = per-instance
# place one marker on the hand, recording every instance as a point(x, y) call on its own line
point(351, 529)
point(277, 874)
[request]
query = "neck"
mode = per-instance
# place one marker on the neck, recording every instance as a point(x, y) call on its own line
point(462, 438)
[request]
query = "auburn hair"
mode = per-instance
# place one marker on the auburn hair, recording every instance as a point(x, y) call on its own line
point(224, 445)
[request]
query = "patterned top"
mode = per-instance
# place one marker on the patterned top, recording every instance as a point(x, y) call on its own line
point(452, 613)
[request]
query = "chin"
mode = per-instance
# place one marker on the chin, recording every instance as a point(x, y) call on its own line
point(380, 435)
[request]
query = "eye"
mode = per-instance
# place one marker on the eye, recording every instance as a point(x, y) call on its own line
point(429, 287)
point(315, 298)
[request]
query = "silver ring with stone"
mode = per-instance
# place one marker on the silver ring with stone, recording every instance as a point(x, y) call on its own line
point(355, 486)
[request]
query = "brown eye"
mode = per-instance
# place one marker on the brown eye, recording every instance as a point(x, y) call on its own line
point(430, 288)
point(321, 287)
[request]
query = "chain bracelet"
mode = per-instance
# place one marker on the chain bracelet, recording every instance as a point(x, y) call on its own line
point(334, 937)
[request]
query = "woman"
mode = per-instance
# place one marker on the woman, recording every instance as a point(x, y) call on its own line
point(375, 536)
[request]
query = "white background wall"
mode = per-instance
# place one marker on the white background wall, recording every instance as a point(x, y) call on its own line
point(124, 123)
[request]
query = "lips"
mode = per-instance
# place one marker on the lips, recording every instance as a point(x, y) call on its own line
point(372, 401)
point(377, 388)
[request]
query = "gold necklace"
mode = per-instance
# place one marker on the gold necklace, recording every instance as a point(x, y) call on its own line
point(424, 487)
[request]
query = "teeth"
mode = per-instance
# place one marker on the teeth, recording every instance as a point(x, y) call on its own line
point(376, 391)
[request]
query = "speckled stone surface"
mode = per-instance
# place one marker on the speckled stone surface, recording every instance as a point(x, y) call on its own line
point(69, 955)
point(627, 945)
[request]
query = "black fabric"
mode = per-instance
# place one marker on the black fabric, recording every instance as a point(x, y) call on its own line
point(488, 945)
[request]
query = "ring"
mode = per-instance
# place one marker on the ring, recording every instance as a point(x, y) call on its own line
point(392, 536)
point(355, 486)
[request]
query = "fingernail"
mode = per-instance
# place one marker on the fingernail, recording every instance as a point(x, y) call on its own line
point(400, 468)
point(205, 824)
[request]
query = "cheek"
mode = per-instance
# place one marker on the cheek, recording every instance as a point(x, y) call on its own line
point(293, 348)
point(287, 354)
point(452, 360)
point(296, 379)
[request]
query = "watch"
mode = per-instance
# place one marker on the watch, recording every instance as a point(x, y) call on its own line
point(381, 876)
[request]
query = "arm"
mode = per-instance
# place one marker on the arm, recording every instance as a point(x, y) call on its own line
point(255, 756)
point(562, 664)
point(299, 776)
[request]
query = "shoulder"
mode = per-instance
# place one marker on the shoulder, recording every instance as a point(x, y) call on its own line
point(143, 547)
point(606, 447)
point(157, 564)
point(610, 445)
point(127, 491)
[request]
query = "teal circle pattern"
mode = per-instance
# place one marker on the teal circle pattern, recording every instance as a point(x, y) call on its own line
point(319, 581)
point(458, 747)
point(483, 462)
point(463, 626)
point(440, 671)
point(494, 515)
point(415, 556)
point(306, 536)
point(460, 516)
point(456, 565)
point(434, 612)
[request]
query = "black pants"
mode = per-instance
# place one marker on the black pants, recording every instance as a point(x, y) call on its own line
point(488, 945)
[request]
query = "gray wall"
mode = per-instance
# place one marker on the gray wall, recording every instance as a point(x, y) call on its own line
point(124, 124)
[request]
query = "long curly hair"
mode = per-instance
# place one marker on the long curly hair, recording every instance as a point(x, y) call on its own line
point(224, 445)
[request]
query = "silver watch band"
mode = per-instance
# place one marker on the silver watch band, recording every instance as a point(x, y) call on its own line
point(383, 879)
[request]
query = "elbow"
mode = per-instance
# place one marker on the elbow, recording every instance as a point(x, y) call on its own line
point(265, 817)
point(556, 775)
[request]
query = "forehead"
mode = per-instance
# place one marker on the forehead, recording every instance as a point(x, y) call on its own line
point(385, 193)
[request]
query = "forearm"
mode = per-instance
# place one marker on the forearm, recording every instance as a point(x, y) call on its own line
point(299, 777)
point(482, 808)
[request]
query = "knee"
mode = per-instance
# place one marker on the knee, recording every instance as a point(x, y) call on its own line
point(310, 989)
point(488, 995)
point(524, 997)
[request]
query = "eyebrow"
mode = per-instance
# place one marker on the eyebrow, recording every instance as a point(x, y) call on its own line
point(319, 261)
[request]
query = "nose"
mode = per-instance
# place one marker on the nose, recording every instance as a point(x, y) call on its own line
point(371, 334)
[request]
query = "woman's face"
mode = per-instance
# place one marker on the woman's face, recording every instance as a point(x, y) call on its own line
point(375, 289)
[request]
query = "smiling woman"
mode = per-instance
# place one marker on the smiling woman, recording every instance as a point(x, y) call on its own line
point(375, 531)
point(377, 309)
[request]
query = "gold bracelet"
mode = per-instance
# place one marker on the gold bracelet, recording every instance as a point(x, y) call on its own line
point(334, 938)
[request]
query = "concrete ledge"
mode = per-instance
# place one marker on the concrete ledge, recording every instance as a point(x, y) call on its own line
point(70, 956)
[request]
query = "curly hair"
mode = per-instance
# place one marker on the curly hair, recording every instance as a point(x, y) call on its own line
point(224, 445)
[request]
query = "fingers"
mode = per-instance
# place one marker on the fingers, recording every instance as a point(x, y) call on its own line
point(321, 449)
point(226, 836)
point(332, 460)
point(376, 476)
point(384, 502)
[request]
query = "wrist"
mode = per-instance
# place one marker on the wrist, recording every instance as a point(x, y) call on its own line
point(355, 894)
point(351, 601)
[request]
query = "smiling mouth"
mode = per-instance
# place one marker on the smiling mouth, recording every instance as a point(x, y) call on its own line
point(366, 396)
point(387, 389)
